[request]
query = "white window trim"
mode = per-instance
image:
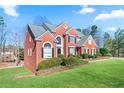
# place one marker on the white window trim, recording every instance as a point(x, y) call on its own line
point(72, 47)
point(30, 51)
point(43, 47)
point(92, 51)
point(71, 36)
point(86, 50)
point(89, 41)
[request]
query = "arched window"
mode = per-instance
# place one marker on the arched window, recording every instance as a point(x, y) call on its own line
point(47, 45)
point(58, 40)
point(47, 51)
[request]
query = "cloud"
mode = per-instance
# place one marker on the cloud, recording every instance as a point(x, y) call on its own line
point(113, 14)
point(85, 10)
point(113, 29)
point(10, 10)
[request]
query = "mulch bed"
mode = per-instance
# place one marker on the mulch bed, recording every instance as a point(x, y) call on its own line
point(45, 72)
point(53, 70)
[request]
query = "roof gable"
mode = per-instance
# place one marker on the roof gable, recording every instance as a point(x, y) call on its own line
point(36, 30)
point(82, 40)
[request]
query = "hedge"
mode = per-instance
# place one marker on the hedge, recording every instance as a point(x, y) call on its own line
point(71, 61)
point(48, 63)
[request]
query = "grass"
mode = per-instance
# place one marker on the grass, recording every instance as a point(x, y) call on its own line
point(109, 73)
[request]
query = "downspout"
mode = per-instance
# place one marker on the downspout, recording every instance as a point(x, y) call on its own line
point(36, 59)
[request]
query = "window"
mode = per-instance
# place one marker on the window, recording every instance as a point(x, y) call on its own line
point(58, 40)
point(86, 51)
point(29, 51)
point(47, 51)
point(72, 39)
point(89, 42)
point(71, 51)
point(29, 39)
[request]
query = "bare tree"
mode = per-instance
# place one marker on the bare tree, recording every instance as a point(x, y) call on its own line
point(16, 43)
point(3, 33)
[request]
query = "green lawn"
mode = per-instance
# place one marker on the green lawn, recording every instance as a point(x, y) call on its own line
point(108, 73)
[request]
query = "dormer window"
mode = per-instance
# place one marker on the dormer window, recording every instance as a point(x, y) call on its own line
point(89, 42)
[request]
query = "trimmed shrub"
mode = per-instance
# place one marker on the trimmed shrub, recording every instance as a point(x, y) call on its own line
point(48, 63)
point(61, 56)
point(95, 55)
point(70, 61)
point(84, 56)
point(90, 56)
point(104, 51)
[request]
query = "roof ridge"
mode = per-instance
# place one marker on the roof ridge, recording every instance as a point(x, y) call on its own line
point(34, 25)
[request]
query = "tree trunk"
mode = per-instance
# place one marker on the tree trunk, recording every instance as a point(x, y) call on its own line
point(118, 52)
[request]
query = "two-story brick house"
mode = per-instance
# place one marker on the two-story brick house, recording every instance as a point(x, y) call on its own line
point(48, 40)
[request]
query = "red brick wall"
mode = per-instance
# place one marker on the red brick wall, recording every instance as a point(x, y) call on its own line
point(30, 61)
point(60, 30)
point(72, 32)
point(44, 39)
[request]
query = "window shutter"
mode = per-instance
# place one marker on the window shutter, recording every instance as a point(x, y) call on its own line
point(68, 38)
point(42, 52)
point(52, 52)
point(68, 51)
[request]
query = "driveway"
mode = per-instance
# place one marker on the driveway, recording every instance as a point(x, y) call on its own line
point(4, 65)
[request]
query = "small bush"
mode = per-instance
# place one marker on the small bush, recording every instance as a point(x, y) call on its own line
point(90, 56)
point(69, 61)
point(95, 55)
point(48, 63)
point(84, 56)
point(104, 51)
point(61, 56)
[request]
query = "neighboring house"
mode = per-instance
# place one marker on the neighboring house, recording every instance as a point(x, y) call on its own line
point(48, 41)
point(7, 56)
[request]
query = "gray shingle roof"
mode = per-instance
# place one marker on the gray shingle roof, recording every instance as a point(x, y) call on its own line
point(80, 34)
point(82, 40)
point(49, 26)
point(37, 30)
